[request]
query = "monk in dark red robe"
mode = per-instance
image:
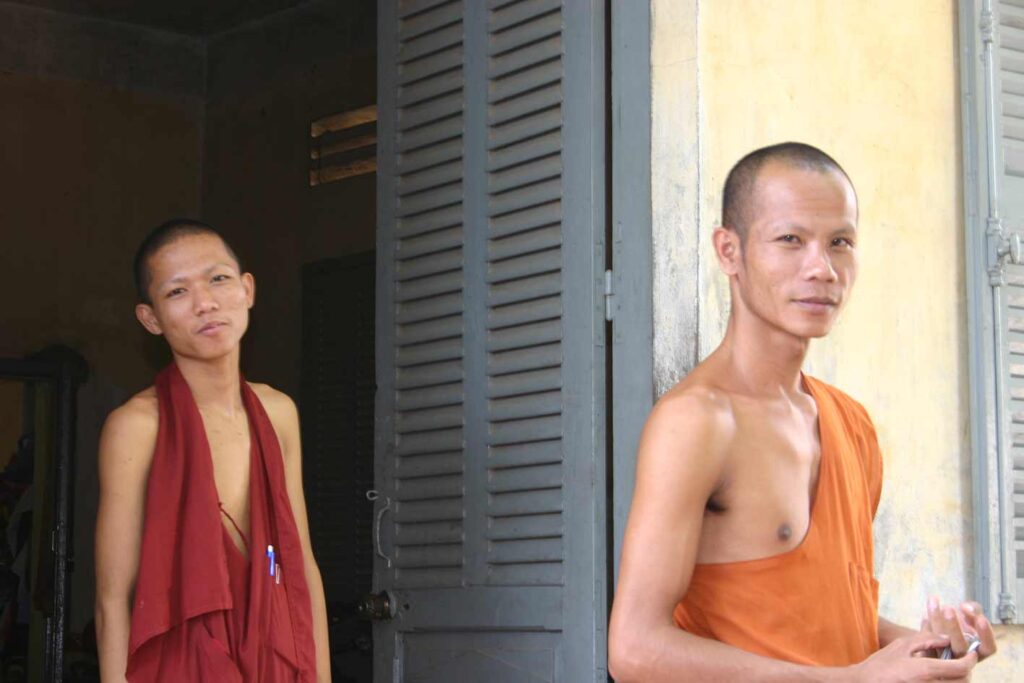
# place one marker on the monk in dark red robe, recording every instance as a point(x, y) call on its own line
point(204, 571)
point(203, 610)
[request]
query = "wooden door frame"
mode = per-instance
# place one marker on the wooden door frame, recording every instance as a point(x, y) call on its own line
point(62, 369)
point(632, 282)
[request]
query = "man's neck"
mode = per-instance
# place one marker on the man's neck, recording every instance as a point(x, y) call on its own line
point(762, 359)
point(215, 384)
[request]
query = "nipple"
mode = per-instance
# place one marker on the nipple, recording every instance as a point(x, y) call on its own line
point(784, 532)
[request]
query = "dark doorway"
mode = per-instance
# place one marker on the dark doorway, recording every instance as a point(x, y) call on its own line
point(337, 434)
point(37, 400)
point(159, 109)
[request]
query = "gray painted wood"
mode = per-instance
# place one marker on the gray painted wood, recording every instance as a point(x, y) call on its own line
point(491, 356)
point(993, 132)
point(632, 260)
point(384, 651)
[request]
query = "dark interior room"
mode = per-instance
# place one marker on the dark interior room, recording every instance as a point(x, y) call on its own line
point(256, 116)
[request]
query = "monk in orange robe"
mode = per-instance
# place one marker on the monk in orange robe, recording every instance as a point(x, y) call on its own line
point(748, 551)
point(204, 570)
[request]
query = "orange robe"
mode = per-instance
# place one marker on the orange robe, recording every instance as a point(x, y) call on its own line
point(204, 612)
point(818, 603)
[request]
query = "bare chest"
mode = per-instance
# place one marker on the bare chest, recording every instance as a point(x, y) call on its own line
point(764, 502)
point(230, 444)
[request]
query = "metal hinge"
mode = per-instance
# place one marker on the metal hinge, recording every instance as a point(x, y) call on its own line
point(608, 296)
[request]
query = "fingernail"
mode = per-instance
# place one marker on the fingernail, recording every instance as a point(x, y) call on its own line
point(933, 603)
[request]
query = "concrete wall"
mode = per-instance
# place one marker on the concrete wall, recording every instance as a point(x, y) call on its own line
point(875, 84)
point(100, 129)
point(267, 82)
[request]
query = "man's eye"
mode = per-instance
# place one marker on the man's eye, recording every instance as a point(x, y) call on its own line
point(845, 242)
point(221, 278)
point(175, 292)
point(790, 239)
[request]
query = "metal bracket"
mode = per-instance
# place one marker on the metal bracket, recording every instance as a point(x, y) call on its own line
point(1009, 245)
point(987, 26)
point(372, 495)
point(1002, 247)
point(1007, 610)
point(609, 295)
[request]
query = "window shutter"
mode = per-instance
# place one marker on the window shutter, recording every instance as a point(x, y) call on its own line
point(1011, 101)
point(491, 384)
point(992, 35)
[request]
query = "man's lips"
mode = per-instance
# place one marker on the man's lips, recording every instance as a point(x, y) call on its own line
point(816, 303)
point(211, 327)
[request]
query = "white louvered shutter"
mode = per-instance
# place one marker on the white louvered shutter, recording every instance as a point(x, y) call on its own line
point(491, 355)
point(994, 167)
point(1010, 104)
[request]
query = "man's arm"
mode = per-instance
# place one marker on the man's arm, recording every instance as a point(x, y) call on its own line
point(679, 464)
point(125, 456)
point(292, 451)
point(889, 631)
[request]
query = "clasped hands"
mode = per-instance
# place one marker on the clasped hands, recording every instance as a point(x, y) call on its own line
point(962, 625)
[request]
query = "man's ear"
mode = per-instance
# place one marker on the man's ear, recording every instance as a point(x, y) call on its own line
point(146, 316)
point(728, 249)
point(249, 283)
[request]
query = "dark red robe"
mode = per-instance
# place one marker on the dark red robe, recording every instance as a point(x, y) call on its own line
point(203, 612)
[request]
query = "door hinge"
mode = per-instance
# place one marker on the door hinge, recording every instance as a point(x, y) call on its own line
point(609, 295)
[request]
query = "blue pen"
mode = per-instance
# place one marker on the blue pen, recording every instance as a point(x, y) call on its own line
point(270, 555)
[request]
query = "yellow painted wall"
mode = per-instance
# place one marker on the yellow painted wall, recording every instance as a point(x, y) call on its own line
point(874, 83)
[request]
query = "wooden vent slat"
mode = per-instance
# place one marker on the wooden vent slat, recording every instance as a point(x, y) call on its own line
point(343, 145)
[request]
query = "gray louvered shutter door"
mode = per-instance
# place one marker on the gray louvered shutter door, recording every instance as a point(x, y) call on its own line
point(994, 207)
point(1010, 61)
point(491, 361)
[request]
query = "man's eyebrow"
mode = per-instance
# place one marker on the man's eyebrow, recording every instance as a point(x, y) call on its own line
point(217, 265)
point(788, 226)
point(207, 271)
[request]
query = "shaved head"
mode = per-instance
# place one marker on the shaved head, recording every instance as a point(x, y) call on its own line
point(161, 236)
point(741, 184)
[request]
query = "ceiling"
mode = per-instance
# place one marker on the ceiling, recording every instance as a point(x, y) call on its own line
point(193, 17)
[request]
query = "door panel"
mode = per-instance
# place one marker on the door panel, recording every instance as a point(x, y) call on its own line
point(490, 441)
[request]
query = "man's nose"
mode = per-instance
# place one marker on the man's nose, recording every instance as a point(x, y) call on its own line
point(819, 266)
point(204, 301)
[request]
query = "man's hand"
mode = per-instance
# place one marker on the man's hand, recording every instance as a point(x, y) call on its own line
point(958, 624)
point(902, 661)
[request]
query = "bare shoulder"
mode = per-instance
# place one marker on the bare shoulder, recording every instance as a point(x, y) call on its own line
point(129, 434)
point(282, 413)
point(696, 416)
point(136, 420)
point(277, 403)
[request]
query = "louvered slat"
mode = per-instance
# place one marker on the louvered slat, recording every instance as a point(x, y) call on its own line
point(524, 297)
point(490, 316)
point(1011, 74)
point(428, 309)
point(1013, 306)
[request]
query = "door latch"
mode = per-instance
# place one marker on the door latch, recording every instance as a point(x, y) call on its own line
point(377, 606)
point(373, 495)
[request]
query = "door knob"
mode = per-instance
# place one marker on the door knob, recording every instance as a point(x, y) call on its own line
point(377, 606)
